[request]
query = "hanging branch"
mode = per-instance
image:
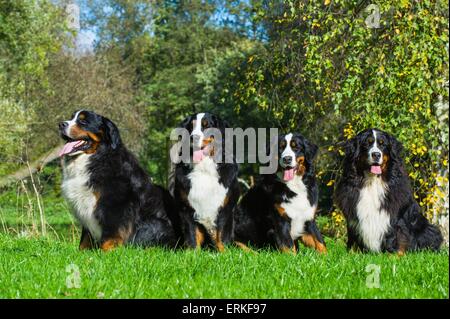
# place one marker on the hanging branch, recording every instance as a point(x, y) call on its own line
point(34, 167)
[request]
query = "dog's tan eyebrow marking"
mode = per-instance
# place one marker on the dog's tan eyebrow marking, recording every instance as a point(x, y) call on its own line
point(82, 116)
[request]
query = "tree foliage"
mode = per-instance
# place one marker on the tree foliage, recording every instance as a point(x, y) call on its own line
point(42, 82)
point(30, 31)
point(27, 41)
point(328, 74)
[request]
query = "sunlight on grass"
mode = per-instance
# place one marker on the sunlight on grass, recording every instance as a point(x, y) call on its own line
point(41, 268)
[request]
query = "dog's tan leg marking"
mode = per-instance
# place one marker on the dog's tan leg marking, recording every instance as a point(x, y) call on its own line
point(311, 241)
point(281, 211)
point(244, 247)
point(287, 250)
point(199, 238)
point(86, 242)
point(217, 239)
point(112, 243)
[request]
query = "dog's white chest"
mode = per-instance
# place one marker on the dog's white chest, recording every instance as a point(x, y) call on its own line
point(206, 195)
point(79, 195)
point(373, 222)
point(298, 208)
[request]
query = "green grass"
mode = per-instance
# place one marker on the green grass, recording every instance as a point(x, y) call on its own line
point(39, 268)
point(18, 210)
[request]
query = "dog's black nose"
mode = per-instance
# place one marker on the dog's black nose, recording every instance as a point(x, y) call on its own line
point(287, 160)
point(376, 156)
point(62, 125)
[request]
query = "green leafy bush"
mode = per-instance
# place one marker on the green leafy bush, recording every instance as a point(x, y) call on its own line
point(14, 121)
point(329, 74)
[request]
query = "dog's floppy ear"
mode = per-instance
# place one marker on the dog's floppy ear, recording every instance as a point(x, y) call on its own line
point(395, 148)
point(351, 148)
point(111, 133)
point(186, 122)
point(221, 124)
point(311, 150)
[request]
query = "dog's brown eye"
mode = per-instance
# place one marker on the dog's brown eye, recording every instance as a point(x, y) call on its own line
point(204, 123)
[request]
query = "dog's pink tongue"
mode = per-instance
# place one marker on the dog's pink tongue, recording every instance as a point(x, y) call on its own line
point(68, 148)
point(198, 156)
point(375, 169)
point(288, 175)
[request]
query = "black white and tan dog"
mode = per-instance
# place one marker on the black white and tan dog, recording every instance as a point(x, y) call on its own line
point(109, 193)
point(280, 209)
point(376, 198)
point(206, 191)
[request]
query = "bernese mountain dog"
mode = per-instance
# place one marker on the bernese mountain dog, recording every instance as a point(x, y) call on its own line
point(376, 198)
point(206, 190)
point(109, 193)
point(281, 208)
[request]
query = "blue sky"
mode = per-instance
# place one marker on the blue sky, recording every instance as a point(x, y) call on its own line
point(85, 40)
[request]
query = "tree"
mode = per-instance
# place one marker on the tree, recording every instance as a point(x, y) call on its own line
point(30, 32)
point(186, 40)
point(327, 73)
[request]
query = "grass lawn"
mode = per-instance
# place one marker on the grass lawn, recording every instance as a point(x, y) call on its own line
point(33, 268)
point(42, 267)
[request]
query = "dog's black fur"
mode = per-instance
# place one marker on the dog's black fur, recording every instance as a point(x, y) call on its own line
point(260, 219)
point(409, 229)
point(129, 208)
point(195, 233)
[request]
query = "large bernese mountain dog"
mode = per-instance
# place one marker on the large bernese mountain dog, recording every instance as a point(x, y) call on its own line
point(376, 198)
point(281, 208)
point(206, 190)
point(109, 193)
